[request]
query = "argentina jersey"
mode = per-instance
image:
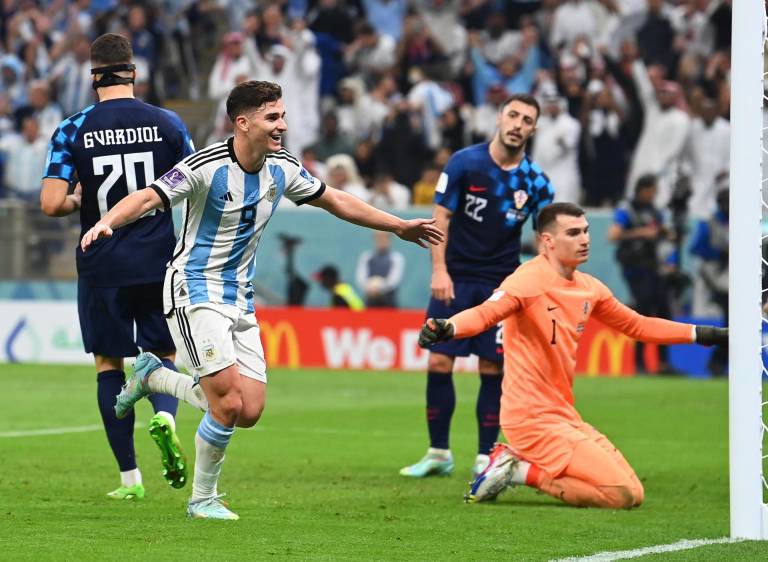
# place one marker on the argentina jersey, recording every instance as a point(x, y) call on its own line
point(489, 206)
point(113, 148)
point(225, 212)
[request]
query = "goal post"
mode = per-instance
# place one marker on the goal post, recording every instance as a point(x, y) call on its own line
point(749, 518)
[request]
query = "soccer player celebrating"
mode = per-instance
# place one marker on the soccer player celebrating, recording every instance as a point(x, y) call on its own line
point(483, 198)
point(231, 190)
point(111, 148)
point(545, 305)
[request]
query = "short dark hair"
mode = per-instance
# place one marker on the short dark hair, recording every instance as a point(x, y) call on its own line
point(109, 49)
point(548, 215)
point(646, 180)
point(251, 95)
point(522, 98)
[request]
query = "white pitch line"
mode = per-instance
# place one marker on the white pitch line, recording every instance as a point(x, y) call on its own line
point(684, 544)
point(54, 431)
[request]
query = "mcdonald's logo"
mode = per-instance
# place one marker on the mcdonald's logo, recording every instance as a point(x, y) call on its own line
point(616, 342)
point(273, 337)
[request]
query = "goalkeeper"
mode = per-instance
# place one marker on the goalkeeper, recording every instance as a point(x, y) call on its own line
point(545, 305)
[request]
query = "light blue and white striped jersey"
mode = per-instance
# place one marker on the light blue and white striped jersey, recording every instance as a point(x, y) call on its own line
point(224, 217)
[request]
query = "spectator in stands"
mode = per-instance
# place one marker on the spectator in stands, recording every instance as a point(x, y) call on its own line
point(386, 16)
point(497, 40)
point(230, 64)
point(24, 156)
point(342, 294)
point(556, 147)
point(386, 193)
point(379, 272)
point(516, 73)
point(71, 77)
point(482, 121)
point(424, 189)
point(440, 19)
point(606, 152)
point(12, 79)
point(365, 160)
point(402, 149)
point(370, 54)
point(428, 100)
point(656, 36)
point(343, 174)
point(332, 140)
point(710, 245)
point(665, 131)
point(418, 48)
point(639, 229)
point(582, 18)
point(708, 153)
point(40, 106)
point(297, 70)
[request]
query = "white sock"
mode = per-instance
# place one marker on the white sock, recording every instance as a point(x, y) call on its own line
point(130, 478)
point(208, 461)
point(173, 383)
point(441, 453)
point(520, 472)
point(169, 417)
point(211, 440)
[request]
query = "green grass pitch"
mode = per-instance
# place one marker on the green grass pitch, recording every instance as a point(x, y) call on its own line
point(317, 479)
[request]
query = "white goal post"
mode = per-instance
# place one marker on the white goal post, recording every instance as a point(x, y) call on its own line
point(749, 518)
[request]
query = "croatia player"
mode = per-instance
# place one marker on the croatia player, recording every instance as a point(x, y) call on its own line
point(112, 148)
point(545, 305)
point(483, 198)
point(230, 190)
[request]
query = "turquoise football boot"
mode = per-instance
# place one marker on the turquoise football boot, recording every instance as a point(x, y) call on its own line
point(433, 464)
point(135, 387)
point(211, 508)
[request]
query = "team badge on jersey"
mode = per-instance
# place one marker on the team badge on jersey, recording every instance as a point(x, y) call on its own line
point(172, 178)
point(521, 196)
point(271, 193)
point(209, 352)
point(586, 307)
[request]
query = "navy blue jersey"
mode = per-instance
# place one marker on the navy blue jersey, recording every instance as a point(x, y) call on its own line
point(114, 148)
point(489, 207)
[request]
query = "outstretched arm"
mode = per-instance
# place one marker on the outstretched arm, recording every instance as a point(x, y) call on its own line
point(471, 321)
point(351, 209)
point(126, 211)
point(656, 330)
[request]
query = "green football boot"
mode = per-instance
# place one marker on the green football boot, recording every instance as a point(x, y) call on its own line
point(174, 460)
point(135, 492)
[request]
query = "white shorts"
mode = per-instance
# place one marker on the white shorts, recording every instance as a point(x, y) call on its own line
point(210, 337)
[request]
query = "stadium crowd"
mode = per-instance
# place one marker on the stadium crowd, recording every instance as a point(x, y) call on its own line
point(379, 93)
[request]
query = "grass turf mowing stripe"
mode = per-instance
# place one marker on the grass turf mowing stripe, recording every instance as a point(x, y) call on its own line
point(54, 431)
point(684, 544)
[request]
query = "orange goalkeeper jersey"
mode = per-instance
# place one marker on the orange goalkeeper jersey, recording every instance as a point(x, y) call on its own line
point(544, 315)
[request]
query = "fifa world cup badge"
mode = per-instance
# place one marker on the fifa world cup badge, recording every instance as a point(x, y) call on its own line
point(521, 196)
point(271, 193)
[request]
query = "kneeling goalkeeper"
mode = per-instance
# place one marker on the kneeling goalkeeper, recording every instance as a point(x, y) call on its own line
point(545, 305)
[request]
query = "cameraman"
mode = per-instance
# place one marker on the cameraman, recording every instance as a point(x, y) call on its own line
point(639, 229)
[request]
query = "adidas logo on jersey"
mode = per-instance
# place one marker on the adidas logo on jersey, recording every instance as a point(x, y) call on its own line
point(182, 292)
point(226, 197)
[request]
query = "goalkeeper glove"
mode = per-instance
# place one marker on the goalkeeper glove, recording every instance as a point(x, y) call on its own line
point(710, 335)
point(435, 330)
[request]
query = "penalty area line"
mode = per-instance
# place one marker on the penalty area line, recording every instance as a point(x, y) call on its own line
point(684, 544)
point(54, 431)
